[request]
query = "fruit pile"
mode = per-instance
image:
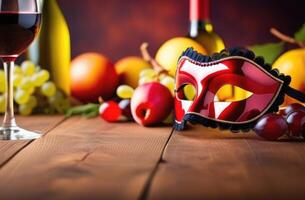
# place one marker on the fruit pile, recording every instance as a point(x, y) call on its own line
point(143, 87)
point(148, 103)
point(289, 121)
point(33, 91)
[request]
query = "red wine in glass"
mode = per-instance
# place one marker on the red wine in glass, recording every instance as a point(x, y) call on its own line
point(17, 31)
point(19, 24)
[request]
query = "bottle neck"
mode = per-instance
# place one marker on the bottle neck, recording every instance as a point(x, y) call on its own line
point(200, 26)
point(199, 10)
point(200, 17)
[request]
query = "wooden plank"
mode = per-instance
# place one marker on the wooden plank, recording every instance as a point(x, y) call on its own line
point(85, 159)
point(40, 123)
point(204, 163)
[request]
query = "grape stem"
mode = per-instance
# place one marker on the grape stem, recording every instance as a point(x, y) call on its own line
point(286, 38)
point(147, 57)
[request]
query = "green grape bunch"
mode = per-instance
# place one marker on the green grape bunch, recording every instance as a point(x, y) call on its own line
point(34, 92)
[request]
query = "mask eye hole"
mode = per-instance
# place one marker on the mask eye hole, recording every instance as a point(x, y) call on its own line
point(231, 93)
point(187, 92)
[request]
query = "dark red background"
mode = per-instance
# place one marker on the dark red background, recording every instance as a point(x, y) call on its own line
point(116, 28)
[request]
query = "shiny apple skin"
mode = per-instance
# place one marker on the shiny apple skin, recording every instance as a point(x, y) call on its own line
point(151, 103)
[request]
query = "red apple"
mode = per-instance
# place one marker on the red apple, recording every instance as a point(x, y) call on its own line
point(151, 103)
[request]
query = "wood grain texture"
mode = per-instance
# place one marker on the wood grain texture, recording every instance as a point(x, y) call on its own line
point(204, 163)
point(40, 123)
point(85, 159)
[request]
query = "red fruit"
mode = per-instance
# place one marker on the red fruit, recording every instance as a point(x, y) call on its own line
point(110, 111)
point(92, 76)
point(271, 126)
point(125, 107)
point(292, 108)
point(296, 123)
point(151, 103)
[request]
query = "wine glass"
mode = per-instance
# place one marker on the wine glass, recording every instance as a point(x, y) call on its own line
point(19, 24)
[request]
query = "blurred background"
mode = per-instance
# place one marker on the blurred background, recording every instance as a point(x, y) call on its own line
point(116, 28)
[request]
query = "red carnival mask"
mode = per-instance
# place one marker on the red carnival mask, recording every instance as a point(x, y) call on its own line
point(236, 68)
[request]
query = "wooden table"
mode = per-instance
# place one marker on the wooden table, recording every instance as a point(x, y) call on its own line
point(91, 159)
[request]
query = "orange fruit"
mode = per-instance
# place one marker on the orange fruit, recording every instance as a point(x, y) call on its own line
point(292, 63)
point(92, 75)
point(129, 69)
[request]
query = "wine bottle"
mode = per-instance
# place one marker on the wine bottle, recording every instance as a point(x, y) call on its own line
point(201, 28)
point(51, 50)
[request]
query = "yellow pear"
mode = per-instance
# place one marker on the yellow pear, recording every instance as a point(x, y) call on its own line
point(168, 54)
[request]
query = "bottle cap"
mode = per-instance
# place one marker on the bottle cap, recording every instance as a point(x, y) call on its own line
point(199, 9)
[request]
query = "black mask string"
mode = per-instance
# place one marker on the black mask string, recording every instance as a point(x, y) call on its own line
point(300, 96)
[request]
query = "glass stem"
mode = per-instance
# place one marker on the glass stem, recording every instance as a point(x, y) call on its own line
point(9, 118)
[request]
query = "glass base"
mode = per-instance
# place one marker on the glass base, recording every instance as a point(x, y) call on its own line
point(16, 133)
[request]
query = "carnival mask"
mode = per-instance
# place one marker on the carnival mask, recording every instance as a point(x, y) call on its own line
point(263, 88)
